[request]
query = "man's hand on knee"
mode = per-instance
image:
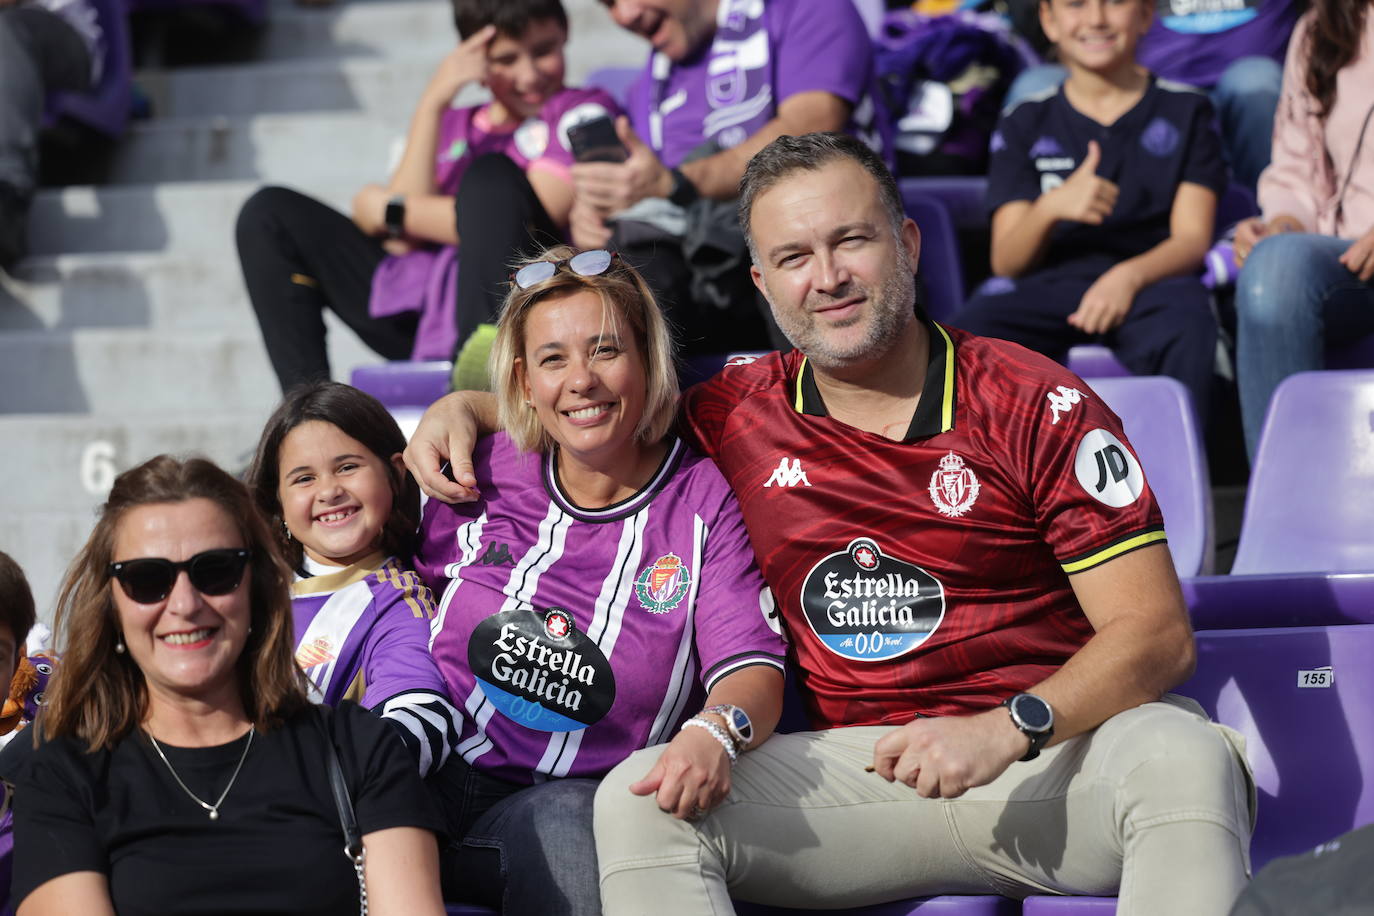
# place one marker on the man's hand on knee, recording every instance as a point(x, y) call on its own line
point(945, 757)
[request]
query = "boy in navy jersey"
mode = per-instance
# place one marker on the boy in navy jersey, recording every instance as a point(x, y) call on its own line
point(1103, 196)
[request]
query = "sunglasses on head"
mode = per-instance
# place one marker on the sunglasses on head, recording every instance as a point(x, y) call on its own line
point(212, 572)
point(584, 264)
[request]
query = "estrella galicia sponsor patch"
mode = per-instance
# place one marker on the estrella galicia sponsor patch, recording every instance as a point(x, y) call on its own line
point(865, 605)
point(663, 584)
point(540, 671)
point(1106, 468)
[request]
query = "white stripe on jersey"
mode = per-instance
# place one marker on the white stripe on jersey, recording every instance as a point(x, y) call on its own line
point(520, 587)
point(685, 663)
point(608, 615)
point(468, 537)
point(431, 719)
point(333, 623)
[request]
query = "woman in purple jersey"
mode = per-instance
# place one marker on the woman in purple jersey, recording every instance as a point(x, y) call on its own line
point(600, 595)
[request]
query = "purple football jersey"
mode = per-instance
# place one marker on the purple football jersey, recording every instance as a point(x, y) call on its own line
point(763, 52)
point(1193, 41)
point(362, 634)
point(571, 637)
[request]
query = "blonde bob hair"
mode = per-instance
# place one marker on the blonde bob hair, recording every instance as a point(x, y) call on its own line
point(625, 297)
point(99, 694)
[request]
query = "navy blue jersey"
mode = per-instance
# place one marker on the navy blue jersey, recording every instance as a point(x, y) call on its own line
point(1167, 138)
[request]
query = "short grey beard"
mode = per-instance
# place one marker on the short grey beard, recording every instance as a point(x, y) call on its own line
point(895, 309)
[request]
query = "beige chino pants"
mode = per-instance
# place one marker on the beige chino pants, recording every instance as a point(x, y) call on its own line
point(1155, 805)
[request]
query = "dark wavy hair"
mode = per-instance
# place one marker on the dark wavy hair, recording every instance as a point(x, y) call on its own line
point(100, 695)
point(16, 601)
point(1332, 43)
point(359, 415)
point(511, 17)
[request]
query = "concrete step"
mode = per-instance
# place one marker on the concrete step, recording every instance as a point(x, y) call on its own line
point(82, 454)
point(127, 372)
point(43, 543)
point(423, 28)
point(373, 85)
point(178, 216)
point(301, 148)
point(167, 291)
point(397, 28)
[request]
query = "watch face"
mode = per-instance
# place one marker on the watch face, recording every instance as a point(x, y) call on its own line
point(1033, 712)
point(743, 726)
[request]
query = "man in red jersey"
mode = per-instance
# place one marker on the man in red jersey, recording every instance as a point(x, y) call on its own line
point(973, 573)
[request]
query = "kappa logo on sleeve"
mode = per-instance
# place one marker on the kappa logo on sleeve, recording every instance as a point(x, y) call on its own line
point(1106, 468)
point(788, 473)
point(1061, 400)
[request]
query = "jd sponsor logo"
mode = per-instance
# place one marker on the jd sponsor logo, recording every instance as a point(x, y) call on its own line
point(540, 671)
point(1106, 468)
point(865, 605)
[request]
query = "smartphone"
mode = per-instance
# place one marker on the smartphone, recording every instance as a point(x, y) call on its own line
point(596, 141)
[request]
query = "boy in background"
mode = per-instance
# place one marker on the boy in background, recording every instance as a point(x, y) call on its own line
point(1103, 195)
point(16, 620)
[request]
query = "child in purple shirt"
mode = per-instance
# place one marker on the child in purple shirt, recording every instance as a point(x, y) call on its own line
point(393, 273)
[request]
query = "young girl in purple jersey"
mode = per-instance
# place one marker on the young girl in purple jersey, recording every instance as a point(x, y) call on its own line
point(328, 474)
point(599, 596)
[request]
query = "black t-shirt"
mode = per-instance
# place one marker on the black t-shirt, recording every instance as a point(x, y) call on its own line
point(277, 846)
point(1167, 138)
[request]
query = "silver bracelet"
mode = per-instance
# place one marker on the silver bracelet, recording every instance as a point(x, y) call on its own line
point(718, 733)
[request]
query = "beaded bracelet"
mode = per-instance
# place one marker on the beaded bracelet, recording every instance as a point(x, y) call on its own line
point(718, 733)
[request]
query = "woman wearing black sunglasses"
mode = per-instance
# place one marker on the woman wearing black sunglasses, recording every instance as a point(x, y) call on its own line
point(183, 768)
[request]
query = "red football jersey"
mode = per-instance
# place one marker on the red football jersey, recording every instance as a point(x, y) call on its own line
point(929, 575)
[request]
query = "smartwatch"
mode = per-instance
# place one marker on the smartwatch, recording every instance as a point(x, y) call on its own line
point(1034, 717)
point(394, 218)
point(683, 193)
point(736, 723)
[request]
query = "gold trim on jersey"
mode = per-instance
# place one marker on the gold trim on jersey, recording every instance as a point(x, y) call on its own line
point(1114, 550)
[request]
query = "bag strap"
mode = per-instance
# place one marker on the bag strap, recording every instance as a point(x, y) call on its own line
point(353, 840)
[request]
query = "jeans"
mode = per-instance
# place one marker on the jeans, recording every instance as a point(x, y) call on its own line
point(1245, 98)
point(520, 849)
point(1293, 297)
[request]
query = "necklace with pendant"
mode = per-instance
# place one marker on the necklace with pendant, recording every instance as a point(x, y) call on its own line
point(213, 809)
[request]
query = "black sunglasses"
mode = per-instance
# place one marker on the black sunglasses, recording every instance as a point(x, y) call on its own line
point(584, 264)
point(212, 572)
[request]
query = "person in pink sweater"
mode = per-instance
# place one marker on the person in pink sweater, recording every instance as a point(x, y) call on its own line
point(1307, 274)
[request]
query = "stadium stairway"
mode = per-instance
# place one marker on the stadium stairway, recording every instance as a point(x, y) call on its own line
point(127, 331)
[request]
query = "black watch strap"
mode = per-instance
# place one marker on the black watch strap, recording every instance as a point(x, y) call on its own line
point(1039, 728)
point(394, 217)
point(684, 192)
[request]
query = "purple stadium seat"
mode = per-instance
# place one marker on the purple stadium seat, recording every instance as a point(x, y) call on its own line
point(1282, 600)
point(1301, 697)
point(1158, 416)
point(106, 107)
point(962, 196)
point(940, 267)
point(1068, 906)
point(404, 383)
point(926, 906)
point(467, 909)
point(1094, 361)
point(1310, 506)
